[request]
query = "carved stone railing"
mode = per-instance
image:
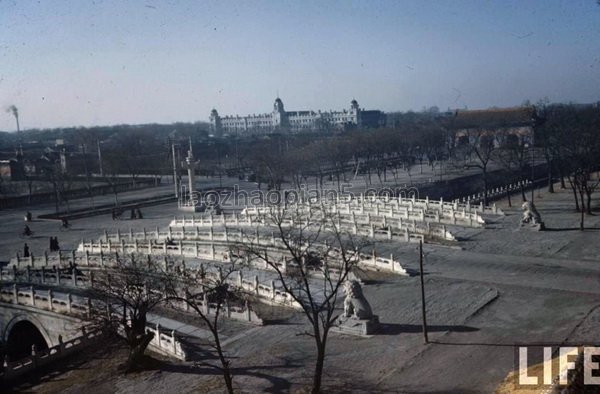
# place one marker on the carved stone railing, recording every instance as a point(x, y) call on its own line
point(166, 342)
point(49, 300)
point(39, 358)
point(498, 192)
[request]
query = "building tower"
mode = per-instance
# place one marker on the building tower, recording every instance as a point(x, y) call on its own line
point(279, 116)
point(355, 110)
point(215, 123)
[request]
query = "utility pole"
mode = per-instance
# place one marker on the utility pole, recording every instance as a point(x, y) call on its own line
point(175, 171)
point(425, 338)
point(99, 158)
point(532, 171)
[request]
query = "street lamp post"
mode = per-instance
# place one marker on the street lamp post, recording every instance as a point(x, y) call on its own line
point(530, 147)
point(532, 172)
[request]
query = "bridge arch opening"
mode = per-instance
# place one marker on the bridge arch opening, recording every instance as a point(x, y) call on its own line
point(22, 336)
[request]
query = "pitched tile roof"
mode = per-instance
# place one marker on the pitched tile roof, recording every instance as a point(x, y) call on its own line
point(493, 118)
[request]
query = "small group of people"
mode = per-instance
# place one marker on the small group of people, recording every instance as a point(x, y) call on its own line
point(116, 214)
point(54, 247)
point(27, 231)
point(136, 214)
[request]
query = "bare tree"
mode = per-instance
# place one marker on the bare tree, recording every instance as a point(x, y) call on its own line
point(317, 258)
point(208, 296)
point(513, 157)
point(481, 146)
point(583, 152)
point(126, 293)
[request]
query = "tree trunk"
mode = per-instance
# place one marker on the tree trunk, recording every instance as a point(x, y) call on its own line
point(581, 227)
point(576, 198)
point(224, 364)
point(550, 183)
point(319, 367)
point(485, 187)
point(137, 351)
point(508, 197)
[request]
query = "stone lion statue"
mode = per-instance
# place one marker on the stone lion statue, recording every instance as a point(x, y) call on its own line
point(355, 303)
point(530, 214)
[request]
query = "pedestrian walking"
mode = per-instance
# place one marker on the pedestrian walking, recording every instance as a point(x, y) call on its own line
point(26, 250)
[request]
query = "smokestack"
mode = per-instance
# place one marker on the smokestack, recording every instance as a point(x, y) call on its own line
point(15, 112)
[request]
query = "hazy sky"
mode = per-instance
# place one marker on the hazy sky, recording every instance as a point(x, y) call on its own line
point(70, 63)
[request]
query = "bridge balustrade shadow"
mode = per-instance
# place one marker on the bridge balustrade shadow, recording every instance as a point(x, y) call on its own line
point(51, 372)
point(571, 229)
point(396, 329)
point(265, 372)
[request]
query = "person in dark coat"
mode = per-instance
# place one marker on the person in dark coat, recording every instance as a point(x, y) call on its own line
point(25, 250)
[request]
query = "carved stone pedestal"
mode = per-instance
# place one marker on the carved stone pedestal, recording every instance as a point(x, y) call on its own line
point(354, 326)
point(533, 226)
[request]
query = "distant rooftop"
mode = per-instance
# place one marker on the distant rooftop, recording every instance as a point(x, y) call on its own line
point(492, 118)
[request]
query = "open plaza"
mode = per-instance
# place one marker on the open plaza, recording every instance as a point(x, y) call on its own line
point(490, 284)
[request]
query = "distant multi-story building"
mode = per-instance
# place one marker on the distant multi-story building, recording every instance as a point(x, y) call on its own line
point(504, 125)
point(280, 120)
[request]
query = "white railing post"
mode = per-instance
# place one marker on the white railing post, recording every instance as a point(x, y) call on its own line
point(32, 295)
point(158, 335)
point(205, 306)
point(272, 289)
point(173, 342)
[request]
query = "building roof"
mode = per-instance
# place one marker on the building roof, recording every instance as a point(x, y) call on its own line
point(493, 118)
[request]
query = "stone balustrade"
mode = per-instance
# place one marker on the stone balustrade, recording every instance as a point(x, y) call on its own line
point(387, 202)
point(55, 260)
point(358, 224)
point(39, 358)
point(63, 303)
point(498, 192)
point(166, 342)
point(382, 264)
point(367, 215)
point(54, 276)
point(234, 312)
